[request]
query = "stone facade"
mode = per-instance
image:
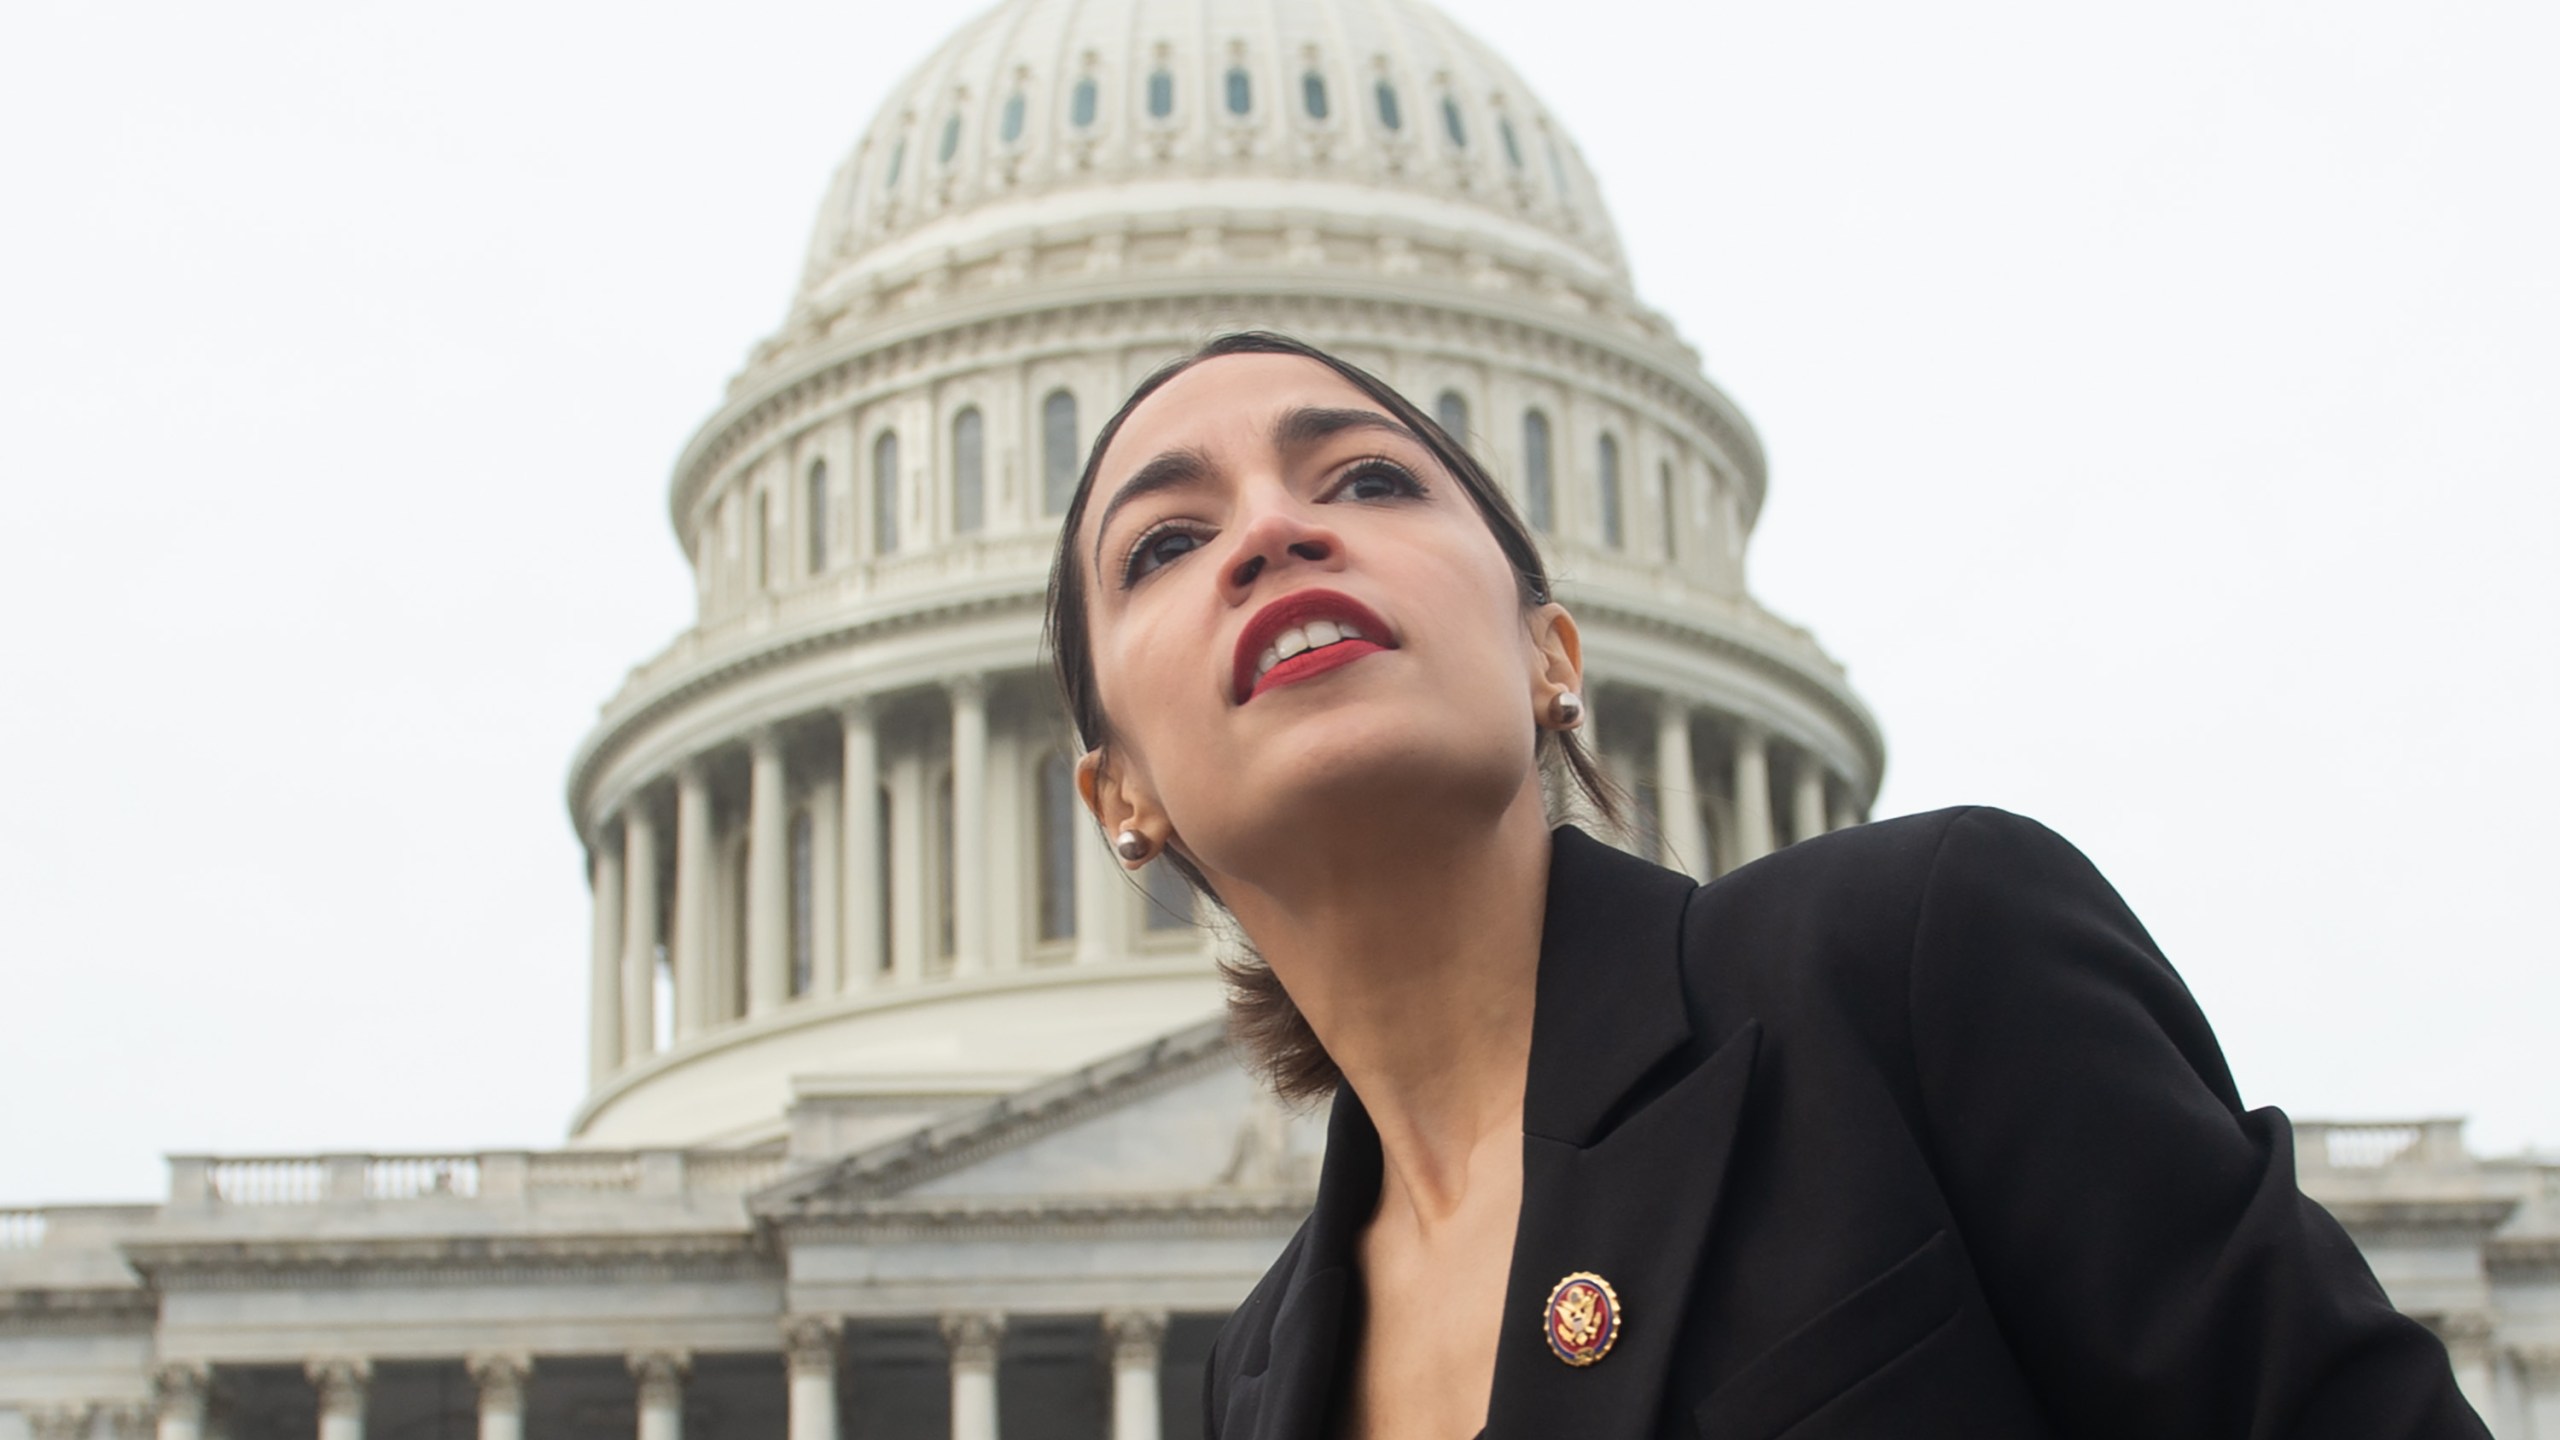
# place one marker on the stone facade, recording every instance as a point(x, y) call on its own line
point(910, 1114)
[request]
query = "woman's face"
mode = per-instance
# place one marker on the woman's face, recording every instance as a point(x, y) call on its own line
point(1299, 619)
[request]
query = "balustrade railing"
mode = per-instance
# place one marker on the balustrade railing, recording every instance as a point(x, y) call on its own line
point(21, 1229)
point(2375, 1145)
point(196, 1181)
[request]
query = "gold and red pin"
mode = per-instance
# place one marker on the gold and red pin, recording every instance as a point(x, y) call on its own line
point(1583, 1318)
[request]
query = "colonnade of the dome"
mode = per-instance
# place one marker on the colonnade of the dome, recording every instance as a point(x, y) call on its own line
point(846, 791)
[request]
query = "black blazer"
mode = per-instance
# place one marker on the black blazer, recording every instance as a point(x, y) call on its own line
point(1904, 1131)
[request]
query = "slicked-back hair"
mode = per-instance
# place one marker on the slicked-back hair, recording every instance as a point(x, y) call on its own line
point(1265, 1023)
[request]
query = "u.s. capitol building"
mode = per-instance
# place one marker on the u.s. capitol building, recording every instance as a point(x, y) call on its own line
point(910, 1113)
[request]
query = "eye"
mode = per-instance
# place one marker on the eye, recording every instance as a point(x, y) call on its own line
point(1157, 546)
point(1378, 478)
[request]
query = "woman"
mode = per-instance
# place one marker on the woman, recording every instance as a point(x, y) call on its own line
point(1907, 1130)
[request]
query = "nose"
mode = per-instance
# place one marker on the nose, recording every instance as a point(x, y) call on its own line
point(1279, 537)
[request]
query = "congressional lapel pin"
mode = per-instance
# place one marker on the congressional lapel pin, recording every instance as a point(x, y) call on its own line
point(1582, 1318)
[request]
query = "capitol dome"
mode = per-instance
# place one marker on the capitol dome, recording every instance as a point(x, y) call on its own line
point(841, 881)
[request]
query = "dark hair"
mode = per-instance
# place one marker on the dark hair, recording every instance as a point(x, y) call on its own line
point(1264, 1021)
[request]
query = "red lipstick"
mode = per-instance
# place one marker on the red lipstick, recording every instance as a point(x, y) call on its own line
point(1292, 611)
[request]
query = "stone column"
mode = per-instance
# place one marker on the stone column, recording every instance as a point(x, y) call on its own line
point(695, 867)
point(178, 1391)
point(1754, 827)
point(501, 1378)
point(809, 1347)
point(860, 900)
point(342, 1384)
point(1010, 840)
point(1103, 895)
point(768, 955)
point(604, 1000)
point(2538, 1366)
point(973, 1338)
point(826, 878)
point(661, 1374)
point(968, 824)
point(1675, 788)
point(1843, 814)
point(910, 898)
point(1812, 807)
point(1137, 1347)
point(639, 931)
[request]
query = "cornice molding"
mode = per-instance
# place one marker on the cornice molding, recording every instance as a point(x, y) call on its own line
point(2458, 1220)
point(1191, 1215)
point(83, 1311)
point(190, 1265)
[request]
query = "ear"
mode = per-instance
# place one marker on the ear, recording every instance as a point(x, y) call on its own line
point(1120, 803)
point(1558, 661)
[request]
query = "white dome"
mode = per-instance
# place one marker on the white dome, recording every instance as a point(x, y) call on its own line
point(1050, 113)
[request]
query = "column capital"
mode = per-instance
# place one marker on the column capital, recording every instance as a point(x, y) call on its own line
point(59, 1422)
point(858, 709)
point(127, 1421)
point(973, 1336)
point(341, 1381)
point(500, 1374)
point(765, 740)
point(967, 686)
point(180, 1387)
point(1136, 1336)
point(661, 1374)
point(809, 1342)
point(2540, 1363)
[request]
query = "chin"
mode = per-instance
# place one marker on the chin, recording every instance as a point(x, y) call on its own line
point(1354, 770)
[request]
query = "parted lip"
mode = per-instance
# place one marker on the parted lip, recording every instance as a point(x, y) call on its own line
point(1297, 608)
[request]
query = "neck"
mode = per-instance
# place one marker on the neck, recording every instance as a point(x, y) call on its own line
point(1415, 959)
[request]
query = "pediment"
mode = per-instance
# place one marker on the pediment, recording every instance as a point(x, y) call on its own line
point(1175, 1117)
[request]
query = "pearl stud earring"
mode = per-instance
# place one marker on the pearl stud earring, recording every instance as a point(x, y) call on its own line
point(1132, 846)
point(1568, 710)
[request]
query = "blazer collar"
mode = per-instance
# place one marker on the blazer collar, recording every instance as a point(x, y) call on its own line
point(1615, 1089)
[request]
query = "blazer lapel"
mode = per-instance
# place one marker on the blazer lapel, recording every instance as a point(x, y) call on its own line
point(1630, 1122)
point(1296, 1376)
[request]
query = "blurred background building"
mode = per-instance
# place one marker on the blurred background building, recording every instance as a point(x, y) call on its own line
point(910, 1114)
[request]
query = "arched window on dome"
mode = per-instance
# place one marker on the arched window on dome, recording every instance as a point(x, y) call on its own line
point(968, 472)
point(1555, 167)
point(814, 515)
point(1510, 140)
point(1390, 112)
point(1670, 496)
point(1613, 527)
point(884, 493)
point(1010, 128)
point(1311, 94)
point(804, 903)
point(1160, 94)
point(1451, 411)
point(1239, 91)
point(1084, 103)
point(1453, 122)
point(1058, 457)
point(950, 145)
point(1169, 898)
point(1537, 470)
point(1058, 822)
point(897, 163)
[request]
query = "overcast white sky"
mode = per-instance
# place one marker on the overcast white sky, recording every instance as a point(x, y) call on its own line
point(2159, 403)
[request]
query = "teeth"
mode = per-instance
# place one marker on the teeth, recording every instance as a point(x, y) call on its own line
point(1314, 635)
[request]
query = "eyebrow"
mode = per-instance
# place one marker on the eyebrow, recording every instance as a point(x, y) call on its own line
point(1296, 429)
